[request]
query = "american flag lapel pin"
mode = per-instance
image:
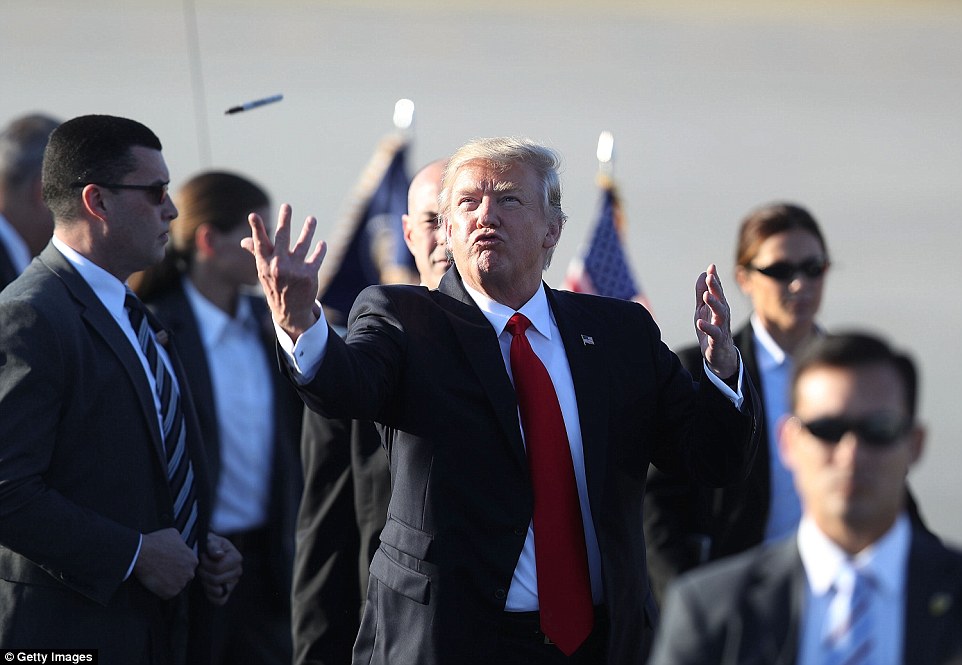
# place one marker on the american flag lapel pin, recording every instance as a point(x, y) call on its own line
point(587, 340)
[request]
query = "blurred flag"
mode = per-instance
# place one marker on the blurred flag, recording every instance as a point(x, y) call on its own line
point(367, 245)
point(601, 265)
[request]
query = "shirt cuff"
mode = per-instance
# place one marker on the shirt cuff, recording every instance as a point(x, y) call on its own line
point(130, 569)
point(304, 356)
point(736, 396)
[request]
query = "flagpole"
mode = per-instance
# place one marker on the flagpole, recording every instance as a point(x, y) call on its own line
point(404, 116)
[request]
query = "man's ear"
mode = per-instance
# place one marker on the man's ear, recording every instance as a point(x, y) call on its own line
point(788, 429)
point(407, 229)
point(91, 196)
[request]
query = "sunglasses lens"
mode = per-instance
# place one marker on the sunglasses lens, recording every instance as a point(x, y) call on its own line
point(813, 269)
point(828, 429)
point(783, 271)
point(877, 430)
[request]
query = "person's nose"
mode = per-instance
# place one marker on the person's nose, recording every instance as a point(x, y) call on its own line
point(487, 212)
point(171, 213)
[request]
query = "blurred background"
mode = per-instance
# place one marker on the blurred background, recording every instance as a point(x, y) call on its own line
point(853, 109)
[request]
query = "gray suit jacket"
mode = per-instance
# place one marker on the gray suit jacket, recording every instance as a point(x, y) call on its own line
point(746, 609)
point(428, 367)
point(82, 472)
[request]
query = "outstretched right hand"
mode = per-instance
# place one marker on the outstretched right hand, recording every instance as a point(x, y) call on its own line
point(287, 275)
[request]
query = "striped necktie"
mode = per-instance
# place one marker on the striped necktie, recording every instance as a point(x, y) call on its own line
point(180, 471)
point(850, 640)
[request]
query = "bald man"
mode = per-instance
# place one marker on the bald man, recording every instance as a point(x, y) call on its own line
point(347, 482)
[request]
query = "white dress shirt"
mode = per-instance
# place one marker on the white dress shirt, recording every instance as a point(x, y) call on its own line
point(112, 293)
point(886, 561)
point(244, 404)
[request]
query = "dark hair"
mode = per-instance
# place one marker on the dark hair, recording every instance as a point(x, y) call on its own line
point(22, 143)
point(772, 219)
point(854, 350)
point(90, 148)
point(218, 198)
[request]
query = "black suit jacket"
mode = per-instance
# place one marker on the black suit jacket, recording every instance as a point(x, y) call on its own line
point(347, 485)
point(83, 472)
point(426, 365)
point(747, 608)
point(173, 308)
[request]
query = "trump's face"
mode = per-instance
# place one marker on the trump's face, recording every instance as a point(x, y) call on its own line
point(499, 232)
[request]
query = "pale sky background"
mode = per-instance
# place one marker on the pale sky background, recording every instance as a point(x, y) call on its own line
point(853, 109)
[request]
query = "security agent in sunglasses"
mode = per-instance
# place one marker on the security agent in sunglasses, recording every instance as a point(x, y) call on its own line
point(781, 265)
point(849, 442)
point(104, 492)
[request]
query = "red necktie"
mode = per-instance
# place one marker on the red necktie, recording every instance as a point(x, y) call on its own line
point(564, 589)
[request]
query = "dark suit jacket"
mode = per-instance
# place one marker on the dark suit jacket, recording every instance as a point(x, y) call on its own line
point(426, 365)
point(747, 608)
point(347, 485)
point(173, 308)
point(687, 524)
point(82, 472)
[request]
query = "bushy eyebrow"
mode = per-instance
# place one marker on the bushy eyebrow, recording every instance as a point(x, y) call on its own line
point(499, 186)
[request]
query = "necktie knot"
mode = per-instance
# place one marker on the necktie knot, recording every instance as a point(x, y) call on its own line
point(518, 324)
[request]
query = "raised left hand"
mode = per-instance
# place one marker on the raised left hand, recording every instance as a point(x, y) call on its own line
point(713, 325)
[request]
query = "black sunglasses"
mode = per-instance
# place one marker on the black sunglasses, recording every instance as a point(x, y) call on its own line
point(785, 271)
point(159, 191)
point(878, 430)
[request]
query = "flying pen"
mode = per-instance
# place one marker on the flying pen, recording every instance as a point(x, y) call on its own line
point(247, 106)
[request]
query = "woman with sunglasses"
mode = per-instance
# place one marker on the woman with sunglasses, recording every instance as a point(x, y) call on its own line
point(780, 265)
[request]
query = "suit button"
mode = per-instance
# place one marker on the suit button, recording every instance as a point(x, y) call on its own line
point(500, 594)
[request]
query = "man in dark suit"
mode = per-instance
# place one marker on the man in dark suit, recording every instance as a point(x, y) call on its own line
point(25, 221)
point(104, 495)
point(849, 444)
point(458, 577)
point(347, 482)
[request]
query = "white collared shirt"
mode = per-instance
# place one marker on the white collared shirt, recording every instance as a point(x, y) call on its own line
point(545, 340)
point(17, 249)
point(887, 562)
point(775, 367)
point(112, 293)
point(244, 404)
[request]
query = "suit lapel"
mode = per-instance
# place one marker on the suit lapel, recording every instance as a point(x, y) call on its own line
point(483, 352)
point(103, 324)
point(771, 608)
point(584, 344)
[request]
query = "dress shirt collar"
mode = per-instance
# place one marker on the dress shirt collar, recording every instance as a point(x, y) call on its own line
point(536, 310)
point(885, 560)
point(110, 290)
point(17, 249)
point(211, 319)
point(767, 351)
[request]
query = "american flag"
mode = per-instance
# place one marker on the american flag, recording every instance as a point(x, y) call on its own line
point(601, 266)
point(367, 246)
